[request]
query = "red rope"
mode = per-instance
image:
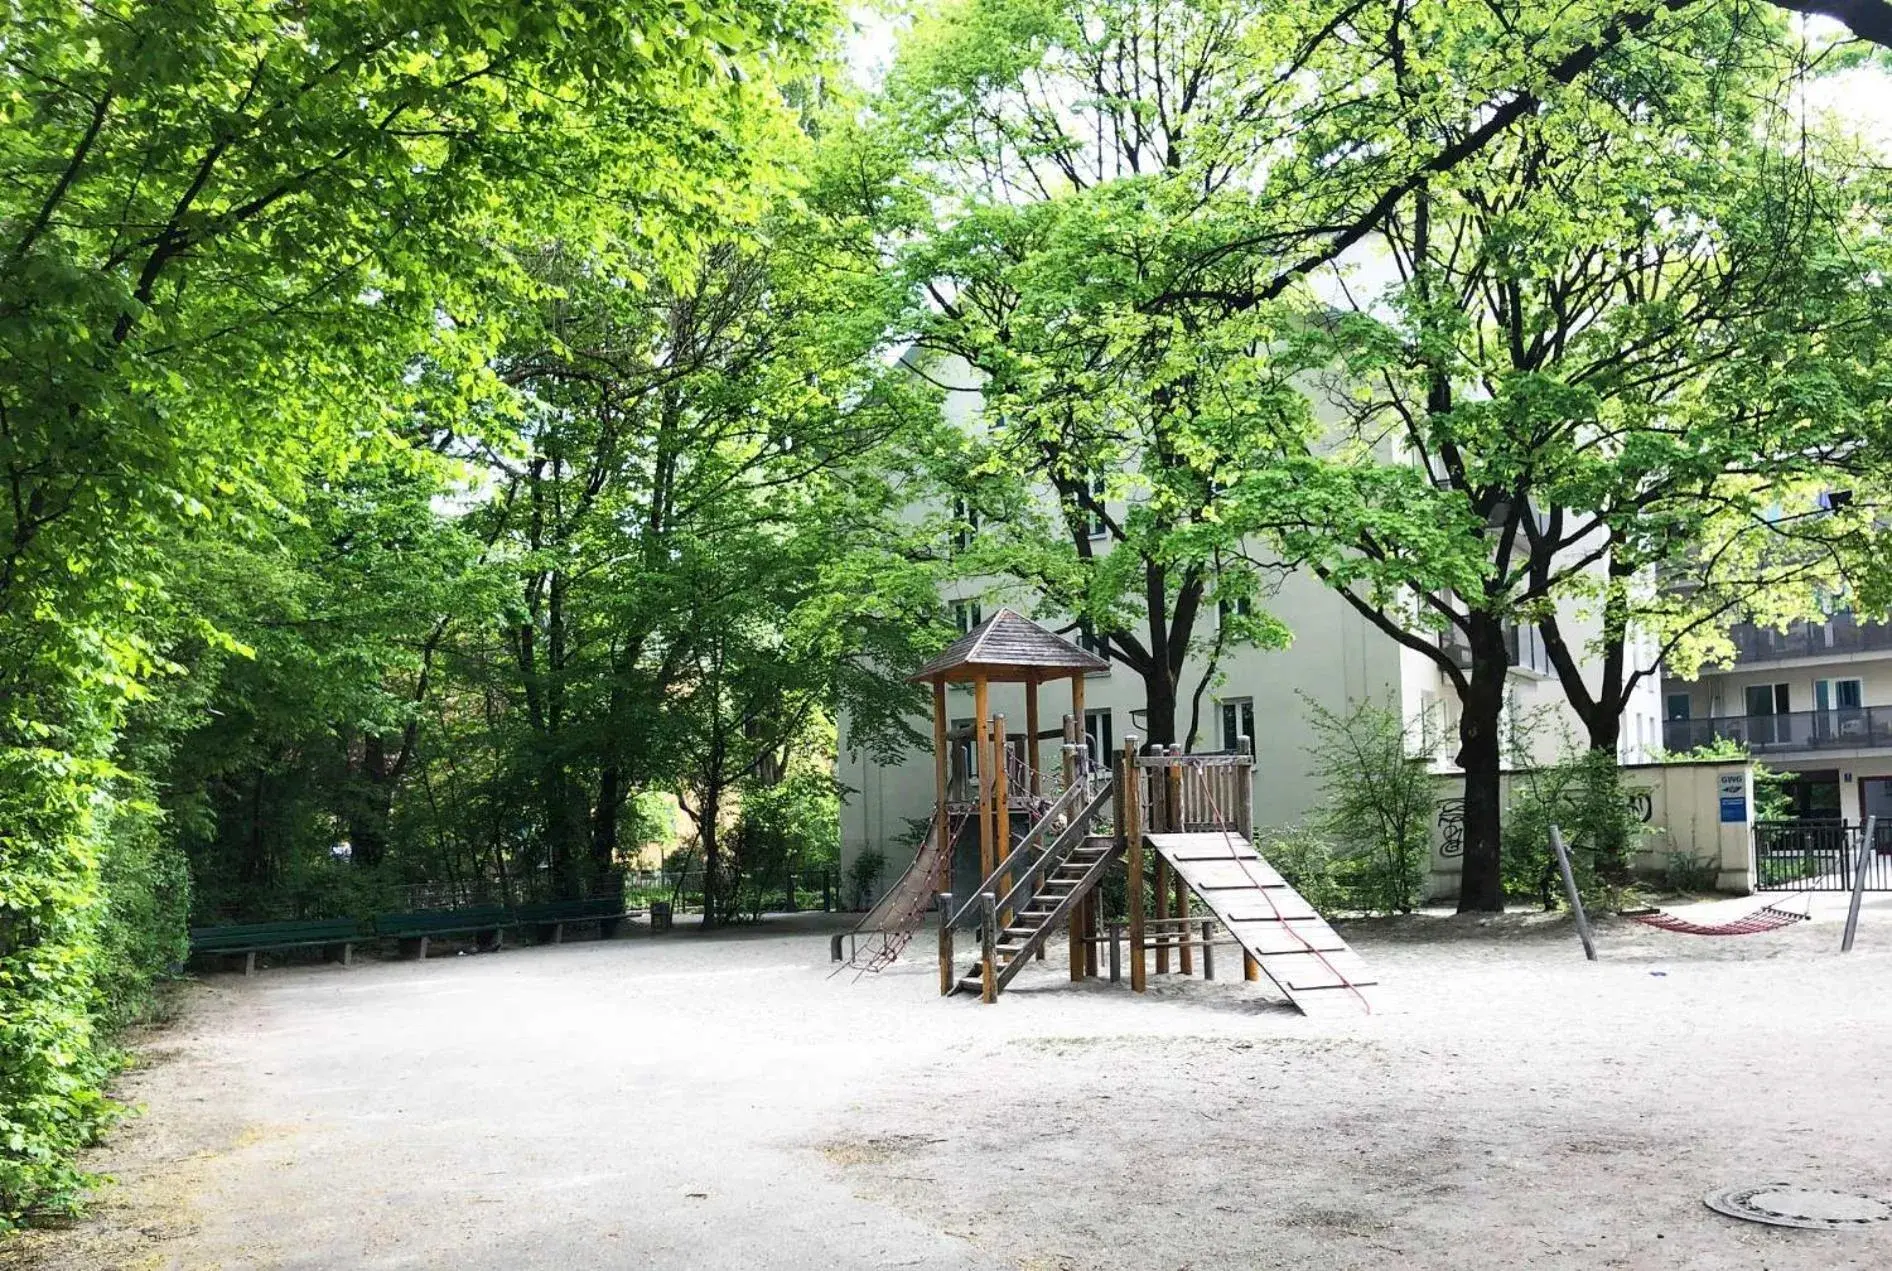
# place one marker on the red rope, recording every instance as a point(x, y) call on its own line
point(1766, 918)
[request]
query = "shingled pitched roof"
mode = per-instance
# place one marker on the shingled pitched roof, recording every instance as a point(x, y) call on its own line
point(1008, 646)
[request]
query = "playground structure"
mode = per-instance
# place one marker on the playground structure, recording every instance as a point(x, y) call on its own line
point(1178, 825)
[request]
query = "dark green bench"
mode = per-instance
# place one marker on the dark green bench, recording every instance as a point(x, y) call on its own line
point(252, 938)
point(548, 919)
point(485, 923)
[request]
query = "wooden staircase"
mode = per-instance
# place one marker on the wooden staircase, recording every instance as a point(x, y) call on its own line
point(1043, 913)
point(1015, 919)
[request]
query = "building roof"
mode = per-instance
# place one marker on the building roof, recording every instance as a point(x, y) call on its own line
point(1008, 646)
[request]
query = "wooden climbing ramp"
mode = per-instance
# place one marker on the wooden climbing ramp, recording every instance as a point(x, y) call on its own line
point(1296, 948)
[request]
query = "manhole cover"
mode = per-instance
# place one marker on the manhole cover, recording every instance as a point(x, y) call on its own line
point(1784, 1205)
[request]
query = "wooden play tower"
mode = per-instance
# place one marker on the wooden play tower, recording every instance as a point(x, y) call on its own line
point(1048, 840)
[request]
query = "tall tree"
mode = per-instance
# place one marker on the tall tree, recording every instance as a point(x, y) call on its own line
point(1637, 333)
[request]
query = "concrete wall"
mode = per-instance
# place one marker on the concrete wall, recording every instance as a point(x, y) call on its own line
point(1682, 809)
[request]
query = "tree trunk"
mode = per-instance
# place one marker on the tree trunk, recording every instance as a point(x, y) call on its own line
point(1480, 755)
point(604, 822)
point(1160, 696)
point(370, 804)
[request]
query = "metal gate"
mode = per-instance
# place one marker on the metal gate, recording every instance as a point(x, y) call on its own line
point(1819, 856)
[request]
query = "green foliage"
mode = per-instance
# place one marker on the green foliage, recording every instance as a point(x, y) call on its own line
point(1308, 861)
point(1376, 804)
point(1587, 799)
point(1690, 875)
point(863, 875)
point(786, 827)
point(244, 249)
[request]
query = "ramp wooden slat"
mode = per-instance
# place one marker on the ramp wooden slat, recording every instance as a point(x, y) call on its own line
point(1297, 949)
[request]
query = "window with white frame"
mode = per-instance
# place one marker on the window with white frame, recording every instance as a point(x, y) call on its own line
point(1097, 732)
point(1095, 525)
point(967, 615)
point(965, 523)
point(1238, 723)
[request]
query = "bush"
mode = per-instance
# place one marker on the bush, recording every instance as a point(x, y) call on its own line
point(1308, 862)
point(1377, 806)
point(1586, 799)
point(863, 873)
point(1686, 873)
point(792, 825)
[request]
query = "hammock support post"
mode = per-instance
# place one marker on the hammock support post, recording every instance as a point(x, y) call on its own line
point(1866, 842)
point(1570, 893)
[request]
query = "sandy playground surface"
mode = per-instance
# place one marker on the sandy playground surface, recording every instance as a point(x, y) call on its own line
point(682, 1102)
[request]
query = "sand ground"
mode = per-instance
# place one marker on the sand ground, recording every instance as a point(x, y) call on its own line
point(683, 1102)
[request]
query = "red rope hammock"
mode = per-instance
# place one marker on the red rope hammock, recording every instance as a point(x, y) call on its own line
point(1766, 918)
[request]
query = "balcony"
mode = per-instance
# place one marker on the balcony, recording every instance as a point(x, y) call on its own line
point(1840, 634)
point(1855, 728)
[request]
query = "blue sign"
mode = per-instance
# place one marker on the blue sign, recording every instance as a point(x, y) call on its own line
point(1734, 797)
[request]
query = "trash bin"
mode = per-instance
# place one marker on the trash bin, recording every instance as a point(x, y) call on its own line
point(659, 916)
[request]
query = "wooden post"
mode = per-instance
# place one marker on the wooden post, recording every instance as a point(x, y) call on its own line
point(1130, 828)
point(1208, 951)
point(1116, 952)
point(1251, 969)
point(1035, 786)
point(1068, 755)
point(1159, 818)
point(942, 753)
point(946, 975)
point(988, 948)
point(1176, 821)
point(982, 757)
point(1093, 906)
point(1185, 953)
point(1001, 808)
point(1077, 712)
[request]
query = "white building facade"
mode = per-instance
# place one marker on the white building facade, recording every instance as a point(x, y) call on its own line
point(1337, 659)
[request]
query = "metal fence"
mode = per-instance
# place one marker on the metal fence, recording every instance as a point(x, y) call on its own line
point(1818, 856)
point(1842, 633)
point(1850, 728)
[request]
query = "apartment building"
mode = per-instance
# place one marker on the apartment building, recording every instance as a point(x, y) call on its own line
point(1814, 700)
point(1337, 660)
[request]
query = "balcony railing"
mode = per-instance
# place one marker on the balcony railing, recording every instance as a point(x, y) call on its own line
point(1853, 728)
point(1842, 633)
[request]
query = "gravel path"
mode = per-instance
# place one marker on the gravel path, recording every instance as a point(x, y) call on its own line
point(721, 1103)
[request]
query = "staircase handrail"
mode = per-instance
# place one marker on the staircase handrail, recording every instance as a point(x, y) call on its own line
point(990, 882)
point(1003, 975)
point(1073, 834)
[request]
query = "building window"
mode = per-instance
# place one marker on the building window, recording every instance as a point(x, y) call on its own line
point(965, 523)
point(1768, 699)
point(1239, 607)
point(1094, 525)
point(966, 615)
point(1838, 695)
point(1525, 643)
point(1093, 643)
point(1238, 722)
point(1097, 731)
point(1679, 706)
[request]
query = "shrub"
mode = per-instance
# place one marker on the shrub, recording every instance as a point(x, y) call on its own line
point(1376, 805)
point(863, 873)
point(1586, 799)
point(1686, 873)
point(1307, 861)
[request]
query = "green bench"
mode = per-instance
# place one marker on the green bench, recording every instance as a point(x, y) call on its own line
point(485, 923)
point(252, 938)
point(548, 919)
